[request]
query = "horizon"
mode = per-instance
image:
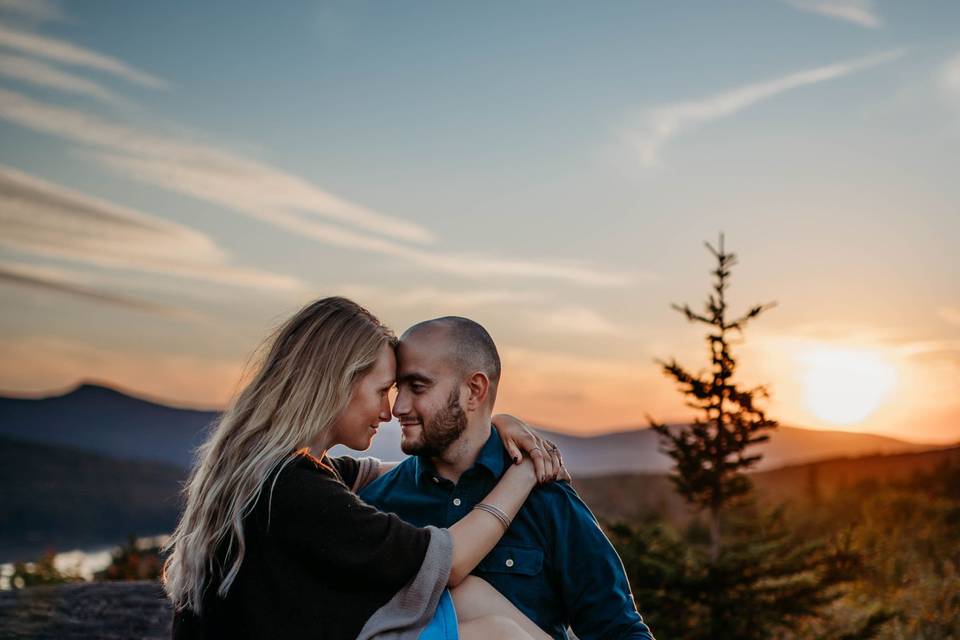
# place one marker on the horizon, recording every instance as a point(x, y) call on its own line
point(174, 184)
point(610, 430)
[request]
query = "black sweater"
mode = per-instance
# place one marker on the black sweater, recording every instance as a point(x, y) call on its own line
point(326, 562)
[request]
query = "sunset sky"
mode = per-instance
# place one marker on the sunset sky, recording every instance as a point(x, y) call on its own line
point(178, 178)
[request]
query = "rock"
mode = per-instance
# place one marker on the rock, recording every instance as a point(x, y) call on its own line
point(103, 610)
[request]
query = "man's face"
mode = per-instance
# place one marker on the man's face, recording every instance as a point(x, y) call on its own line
point(428, 395)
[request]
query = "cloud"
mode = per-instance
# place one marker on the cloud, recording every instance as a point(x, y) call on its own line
point(45, 279)
point(199, 171)
point(950, 76)
point(930, 348)
point(661, 124)
point(68, 53)
point(41, 218)
point(950, 315)
point(581, 393)
point(275, 197)
point(253, 189)
point(861, 12)
point(572, 320)
point(43, 75)
point(434, 298)
point(34, 10)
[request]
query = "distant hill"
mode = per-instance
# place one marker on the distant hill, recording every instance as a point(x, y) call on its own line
point(55, 497)
point(638, 450)
point(630, 496)
point(62, 498)
point(102, 420)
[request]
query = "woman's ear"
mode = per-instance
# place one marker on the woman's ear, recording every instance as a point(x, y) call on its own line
point(479, 386)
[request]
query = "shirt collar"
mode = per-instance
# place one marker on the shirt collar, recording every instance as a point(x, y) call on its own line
point(492, 457)
point(492, 454)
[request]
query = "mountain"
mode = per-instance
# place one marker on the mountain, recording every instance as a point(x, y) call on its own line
point(103, 420)
point(637, 450)
point(635, 496)
point(62, 498)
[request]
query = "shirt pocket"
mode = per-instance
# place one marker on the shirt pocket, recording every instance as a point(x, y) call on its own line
point(521, 561)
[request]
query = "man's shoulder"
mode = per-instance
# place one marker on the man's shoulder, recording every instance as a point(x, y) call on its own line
point(403, 474)
point(558, 499)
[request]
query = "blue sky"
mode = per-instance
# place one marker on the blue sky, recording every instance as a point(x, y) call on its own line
point(178, 177)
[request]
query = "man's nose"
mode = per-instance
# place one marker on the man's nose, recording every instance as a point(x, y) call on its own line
point(401, 406)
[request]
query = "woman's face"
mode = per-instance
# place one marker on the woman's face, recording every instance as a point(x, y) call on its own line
point(369, 405)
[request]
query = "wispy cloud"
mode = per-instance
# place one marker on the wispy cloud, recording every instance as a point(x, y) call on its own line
point(929, 347)
point(949, 76)
point(44, 219)
point(950, 315)
point(861, 12)
point(66, 52)
point(661, 124)
point(572, 391)
point(34, 10)
point(251, 188)
point(44, 75)
point(200, 171)
point(433, 299)
point(573, 320)
point(271, 195)
point(58, 281)
point(471, 266)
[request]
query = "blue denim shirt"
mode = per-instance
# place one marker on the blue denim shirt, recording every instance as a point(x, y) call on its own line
point(554, 563)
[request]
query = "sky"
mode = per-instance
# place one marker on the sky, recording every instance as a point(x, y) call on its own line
point(178, 178)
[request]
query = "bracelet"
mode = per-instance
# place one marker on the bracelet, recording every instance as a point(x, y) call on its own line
point(496, 513)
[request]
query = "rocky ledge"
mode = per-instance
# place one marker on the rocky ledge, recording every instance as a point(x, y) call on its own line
point(103, 610)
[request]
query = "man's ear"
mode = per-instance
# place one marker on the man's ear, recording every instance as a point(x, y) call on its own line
point(479, 386)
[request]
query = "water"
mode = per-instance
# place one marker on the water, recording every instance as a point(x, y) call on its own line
point(83, 563)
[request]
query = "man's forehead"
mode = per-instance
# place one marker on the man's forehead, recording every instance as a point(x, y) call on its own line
point(428, 350)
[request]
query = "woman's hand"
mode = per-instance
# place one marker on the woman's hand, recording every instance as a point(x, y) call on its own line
point(518, 438)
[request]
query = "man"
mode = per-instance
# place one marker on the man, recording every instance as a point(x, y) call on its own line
point(554, 563)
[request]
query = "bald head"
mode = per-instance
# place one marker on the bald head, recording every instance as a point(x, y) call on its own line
point(464, 343)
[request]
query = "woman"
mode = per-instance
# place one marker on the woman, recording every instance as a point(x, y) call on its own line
point(273, 543)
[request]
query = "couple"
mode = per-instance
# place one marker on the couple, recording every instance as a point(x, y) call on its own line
point(279, 540)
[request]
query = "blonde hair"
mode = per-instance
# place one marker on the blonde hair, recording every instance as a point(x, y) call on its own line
point(302, 385)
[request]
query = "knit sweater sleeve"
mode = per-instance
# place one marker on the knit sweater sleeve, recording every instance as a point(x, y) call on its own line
point(316, 518)
point(356, 472)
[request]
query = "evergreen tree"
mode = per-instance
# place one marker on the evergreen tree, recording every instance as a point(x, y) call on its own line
point(711, 455)
point(752, 576)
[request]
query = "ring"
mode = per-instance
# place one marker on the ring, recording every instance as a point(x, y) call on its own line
point(536, 449)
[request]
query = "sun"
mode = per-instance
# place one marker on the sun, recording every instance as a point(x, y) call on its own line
point(844, 386)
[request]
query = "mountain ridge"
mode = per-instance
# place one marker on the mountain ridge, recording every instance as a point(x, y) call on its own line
point(103, 419)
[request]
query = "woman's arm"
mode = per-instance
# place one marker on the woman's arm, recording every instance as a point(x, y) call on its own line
point(475, 534)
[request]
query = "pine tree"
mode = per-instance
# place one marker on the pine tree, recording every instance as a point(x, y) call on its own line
point(711, 454)
point(754, 577)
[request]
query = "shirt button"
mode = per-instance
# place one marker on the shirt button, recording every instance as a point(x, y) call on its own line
point(509, 562)
point(456, 502)
point(436, 479)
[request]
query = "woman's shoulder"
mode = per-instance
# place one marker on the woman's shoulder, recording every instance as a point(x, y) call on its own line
point(304, 468)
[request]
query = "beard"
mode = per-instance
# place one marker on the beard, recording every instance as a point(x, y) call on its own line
point(441, 431)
